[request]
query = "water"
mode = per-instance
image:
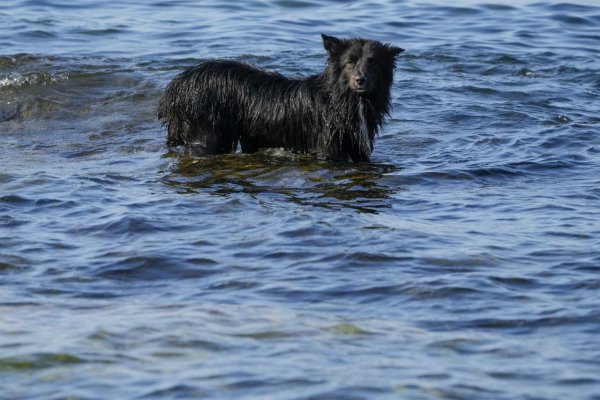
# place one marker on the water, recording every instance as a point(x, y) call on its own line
point(463, 262)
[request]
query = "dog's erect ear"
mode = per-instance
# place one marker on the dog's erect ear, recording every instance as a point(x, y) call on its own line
point(332, 44)
point(394, 51)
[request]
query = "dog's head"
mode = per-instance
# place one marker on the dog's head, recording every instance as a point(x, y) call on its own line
point(361, 66)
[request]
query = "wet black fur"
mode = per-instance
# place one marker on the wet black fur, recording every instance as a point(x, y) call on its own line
point(337, 114)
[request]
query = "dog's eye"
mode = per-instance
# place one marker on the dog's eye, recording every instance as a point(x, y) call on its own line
point(350, 63)
point(373, 62)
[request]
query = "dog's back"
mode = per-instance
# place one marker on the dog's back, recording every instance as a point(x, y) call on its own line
point(215, 103)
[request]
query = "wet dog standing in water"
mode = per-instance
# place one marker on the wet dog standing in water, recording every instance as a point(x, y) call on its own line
point(337, 114)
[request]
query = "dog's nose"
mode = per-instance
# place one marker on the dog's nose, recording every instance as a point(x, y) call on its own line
point(361, 80)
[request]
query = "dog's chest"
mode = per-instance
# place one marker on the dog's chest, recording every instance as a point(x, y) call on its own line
point(362, 120)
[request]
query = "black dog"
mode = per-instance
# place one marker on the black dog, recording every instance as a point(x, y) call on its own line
point(212, 106)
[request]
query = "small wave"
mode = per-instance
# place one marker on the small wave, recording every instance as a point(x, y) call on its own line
point(572, 20)
point(295, 4)
point(518, 324)
point(16, 200)
point(457, 11)
point(479, 173)
point(540, 166)
point(102, 32)
point(16, 79)
point(38, 361)
point(155, 268)
point(125, 225)
point(564, 7)
point(18, 60)
point(12, 262)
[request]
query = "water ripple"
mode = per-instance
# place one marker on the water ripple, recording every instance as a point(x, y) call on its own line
point(435, 271)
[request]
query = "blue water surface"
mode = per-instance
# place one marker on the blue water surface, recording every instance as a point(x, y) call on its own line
point(463, 262)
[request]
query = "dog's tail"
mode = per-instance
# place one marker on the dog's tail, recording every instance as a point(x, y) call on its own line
point(170, 115)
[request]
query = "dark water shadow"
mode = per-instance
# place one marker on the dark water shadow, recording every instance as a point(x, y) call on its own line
point(281, 175)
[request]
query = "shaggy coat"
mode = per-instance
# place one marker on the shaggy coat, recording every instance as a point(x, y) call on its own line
point(336, 114)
